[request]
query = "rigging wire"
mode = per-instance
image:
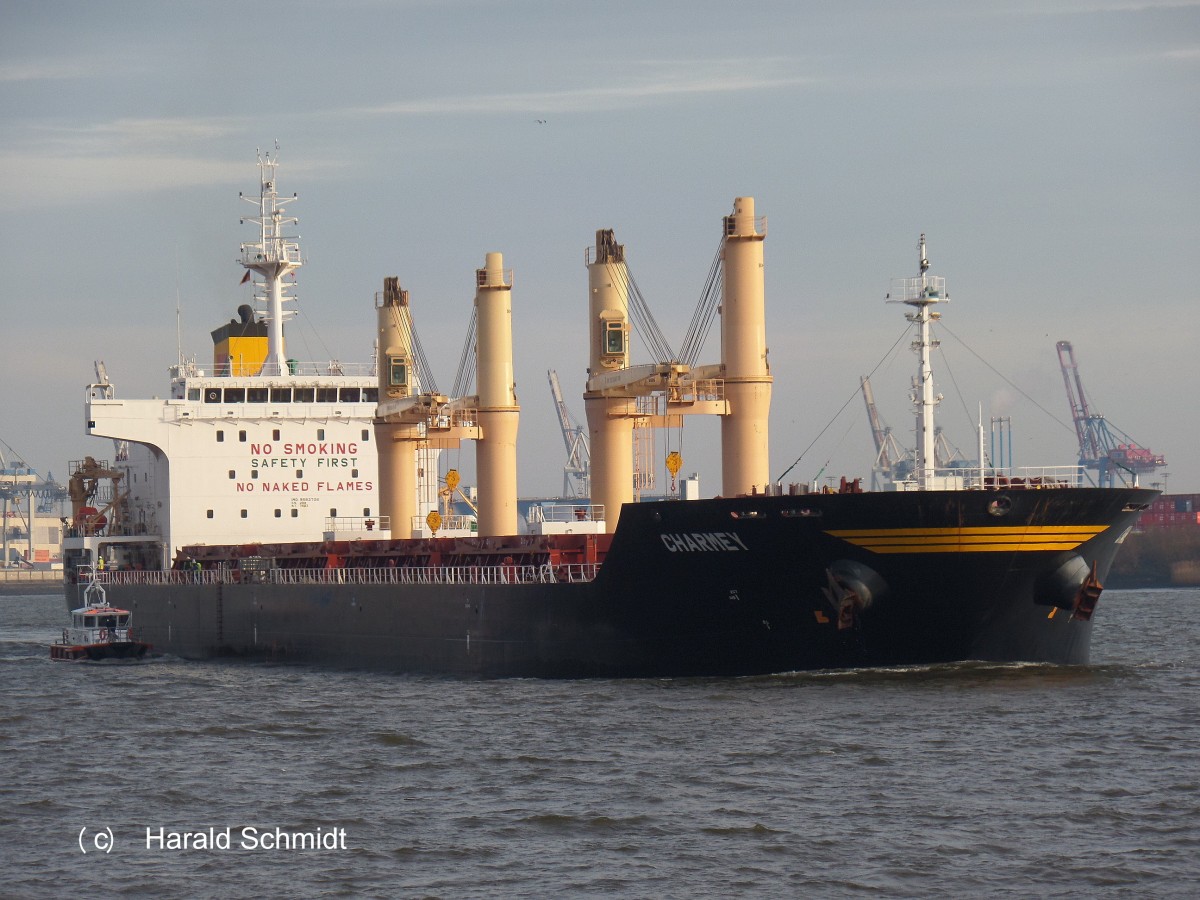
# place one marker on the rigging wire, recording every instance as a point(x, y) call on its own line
point(705, 312)
point(842, 409)
point(643, 319)
point(961, 399)
point(464, 378)
point(424, 371)
point(1007, 380)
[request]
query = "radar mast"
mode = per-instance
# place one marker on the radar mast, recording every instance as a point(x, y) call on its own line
point(272, 257)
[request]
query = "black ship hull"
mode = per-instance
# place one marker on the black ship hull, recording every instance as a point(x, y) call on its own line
point(739, 586)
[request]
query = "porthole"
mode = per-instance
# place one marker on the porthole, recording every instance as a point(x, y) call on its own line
point(1001, 506)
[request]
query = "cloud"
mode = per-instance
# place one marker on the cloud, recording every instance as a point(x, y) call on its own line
point(61, 162)
point(29, 181)
point(666, 81)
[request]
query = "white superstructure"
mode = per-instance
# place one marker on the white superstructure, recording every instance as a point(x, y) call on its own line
point(262, 447)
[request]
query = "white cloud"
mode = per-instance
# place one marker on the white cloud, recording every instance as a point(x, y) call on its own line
point(665, 82)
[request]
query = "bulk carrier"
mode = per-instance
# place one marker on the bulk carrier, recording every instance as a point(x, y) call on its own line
point(942, 565)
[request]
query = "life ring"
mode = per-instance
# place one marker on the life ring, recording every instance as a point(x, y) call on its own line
point(103, 634)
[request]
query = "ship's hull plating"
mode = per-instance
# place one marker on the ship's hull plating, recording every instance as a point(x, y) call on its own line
point(737, 586)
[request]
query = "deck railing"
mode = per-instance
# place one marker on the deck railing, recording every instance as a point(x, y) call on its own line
point(572, 573)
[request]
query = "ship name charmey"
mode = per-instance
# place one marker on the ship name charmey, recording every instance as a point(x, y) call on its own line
point(712, 541)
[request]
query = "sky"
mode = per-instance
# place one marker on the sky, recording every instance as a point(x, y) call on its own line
point(1047, 149)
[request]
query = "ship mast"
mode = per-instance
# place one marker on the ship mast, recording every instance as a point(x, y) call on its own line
point(272, 257)
point(922, 293)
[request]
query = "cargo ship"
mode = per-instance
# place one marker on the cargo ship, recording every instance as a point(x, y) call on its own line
point(941, 565)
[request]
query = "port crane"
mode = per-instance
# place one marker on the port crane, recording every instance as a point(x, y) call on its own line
point(890, 460)
point(893, 462)
point(576, 473)
point(1102, 446)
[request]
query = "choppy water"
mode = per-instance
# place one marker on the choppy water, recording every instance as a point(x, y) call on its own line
point(949, 781)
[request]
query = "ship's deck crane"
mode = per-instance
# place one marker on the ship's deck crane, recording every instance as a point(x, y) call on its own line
point(1102, 446)
point(576, 473)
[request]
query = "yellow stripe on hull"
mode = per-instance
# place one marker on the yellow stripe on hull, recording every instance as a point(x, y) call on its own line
point(985, 539)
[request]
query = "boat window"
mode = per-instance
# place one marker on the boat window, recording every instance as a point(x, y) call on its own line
point(212, 395)
point(193, 394)
point(350, 395)
point(220, 436)
point(256, 395)
point(370, 395)
point(242, 436)
point(122, 620)
point(614, 337)
point(303, 395)
point(281, 395)
point(235, 395)
point(366, 435)
point(232, 474)
point(327, 395)
point(397, 371)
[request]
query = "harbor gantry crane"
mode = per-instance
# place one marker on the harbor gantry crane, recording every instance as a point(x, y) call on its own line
point(891, 461)
point(20, 486)
point(1102, 446)
point(576, 473)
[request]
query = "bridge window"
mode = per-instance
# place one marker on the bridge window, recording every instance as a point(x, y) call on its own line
point(256, 395)
point(327, 395)
point(235, 395)
point(350, 395)
point(281, 395)
point(303, 395)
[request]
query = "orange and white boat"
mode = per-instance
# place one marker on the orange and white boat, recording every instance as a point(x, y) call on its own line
point(99, 631)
